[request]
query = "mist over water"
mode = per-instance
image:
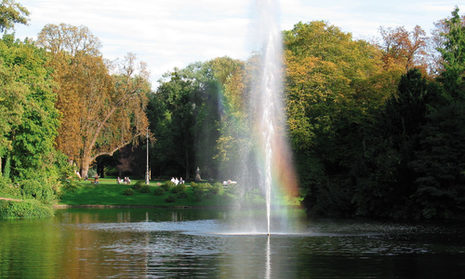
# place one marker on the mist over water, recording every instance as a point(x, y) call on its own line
point(266, 168)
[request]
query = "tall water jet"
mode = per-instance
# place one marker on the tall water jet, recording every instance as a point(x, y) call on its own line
point(268, 163)
point(268, 91)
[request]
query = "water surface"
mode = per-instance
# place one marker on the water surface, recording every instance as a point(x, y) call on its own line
point(160, 243)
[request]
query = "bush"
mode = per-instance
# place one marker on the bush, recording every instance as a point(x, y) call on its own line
point(178, 188)
point(138, 186)
point(24, 209)
point(71, 185)
point(158, 191)
point(128, 192)
point(216, 188)
point(36, 189)
point(145, 189)
point(181, 195)
point(201, 190)
point(7, 187)
point(167, 186)
point(170, 199)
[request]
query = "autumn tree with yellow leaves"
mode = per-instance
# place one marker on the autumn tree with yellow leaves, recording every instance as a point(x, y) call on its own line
point(101, 112)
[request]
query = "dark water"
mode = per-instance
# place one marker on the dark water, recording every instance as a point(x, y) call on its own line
point(157, 243)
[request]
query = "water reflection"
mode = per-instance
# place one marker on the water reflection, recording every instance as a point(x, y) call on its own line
point(268, 259)
point(164, 243)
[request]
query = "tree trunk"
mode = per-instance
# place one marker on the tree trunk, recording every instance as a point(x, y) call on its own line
point(186, 156)
point(85, 162)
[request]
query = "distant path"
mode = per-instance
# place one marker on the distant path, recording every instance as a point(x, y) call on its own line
point(9, 199)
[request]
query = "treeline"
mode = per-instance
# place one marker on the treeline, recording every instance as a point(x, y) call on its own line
point(376, 129)
point(62, 105)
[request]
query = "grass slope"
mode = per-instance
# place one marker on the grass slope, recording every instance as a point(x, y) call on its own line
point(108, 192)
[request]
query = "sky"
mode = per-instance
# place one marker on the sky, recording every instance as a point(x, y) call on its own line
point(175, 33)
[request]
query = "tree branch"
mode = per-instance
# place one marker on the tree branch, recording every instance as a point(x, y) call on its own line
point(111, 152)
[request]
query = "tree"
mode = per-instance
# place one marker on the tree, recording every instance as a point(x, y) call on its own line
point(440, 165)
point(115, 116)
point(100, 112)
point(403, 48)
point(12, 12)
point(333, 86)
point(453, 56)
point(177, 121)
point(29, 119)
point(71, 48)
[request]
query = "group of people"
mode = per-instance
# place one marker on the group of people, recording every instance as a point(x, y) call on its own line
point(229, 182)
point(177, 181)
point(126, 180)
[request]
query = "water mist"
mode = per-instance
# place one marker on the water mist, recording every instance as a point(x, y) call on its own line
point(268, 163)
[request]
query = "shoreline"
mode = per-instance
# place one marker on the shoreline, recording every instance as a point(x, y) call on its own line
point(102, 206)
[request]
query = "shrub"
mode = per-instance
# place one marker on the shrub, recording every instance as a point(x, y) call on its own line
point(24, 209)
point(145, 189)
point(128, 192)
point(216, 188)
point(201, 190)
point(178, 188)
point(7, 187)
point(181, 195)
point(170, 199)
point(138, 186)
point(70, 185)
point(37, 189)
point(167, 186)
point(158, 191)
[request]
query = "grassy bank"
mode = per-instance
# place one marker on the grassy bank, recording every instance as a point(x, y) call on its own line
point(158, 193)
point(24, 209)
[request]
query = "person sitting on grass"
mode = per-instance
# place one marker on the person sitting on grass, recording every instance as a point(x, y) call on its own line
point(119, 180)
point(96, 179)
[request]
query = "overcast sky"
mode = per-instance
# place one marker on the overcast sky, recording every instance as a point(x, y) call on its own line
point(175, 33)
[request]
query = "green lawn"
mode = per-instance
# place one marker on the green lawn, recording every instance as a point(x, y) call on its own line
point(108, 192)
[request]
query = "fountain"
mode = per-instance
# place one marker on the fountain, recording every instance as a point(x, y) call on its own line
point(271, 167)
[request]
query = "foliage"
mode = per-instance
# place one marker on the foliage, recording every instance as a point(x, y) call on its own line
point(192, 114)
point(101, 112)
point(145, 189)
point(178, 188)
point(12, 12)
point(24, 209)
point(138, 185)
point(203, 190)
point(168, 186)
point(8, 188)
point(403, 49)
point(181, 195)
point(158, 191)
point(28, 121)
point(128, 192)
point(170, 199)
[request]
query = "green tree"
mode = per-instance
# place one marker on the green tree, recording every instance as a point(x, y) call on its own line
point(453, 56)
point(29, 118)
point(192, 113)
point(440, 165)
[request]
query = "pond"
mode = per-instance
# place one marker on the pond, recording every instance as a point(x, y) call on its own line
point(164, 243)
